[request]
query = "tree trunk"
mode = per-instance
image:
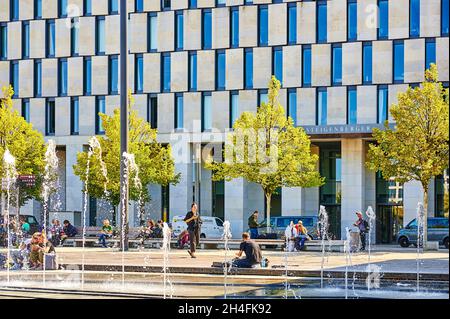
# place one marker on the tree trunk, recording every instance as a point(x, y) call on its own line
point(268, 203)
point(425, 216)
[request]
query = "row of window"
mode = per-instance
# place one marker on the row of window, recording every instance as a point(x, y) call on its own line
point(263, 27)
point(206, 109)
point(220, 73)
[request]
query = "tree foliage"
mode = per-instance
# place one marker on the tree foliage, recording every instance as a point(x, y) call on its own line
point(155, 162)
point(417, 147)
point(26, 144)
point(267, 149)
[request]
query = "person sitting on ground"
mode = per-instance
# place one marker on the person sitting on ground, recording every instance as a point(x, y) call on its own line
point(146, 232)
point(253, 225)
point(252, 252)
point(290, 233)
point(55, 232)
point(302, 236)
point(39, 247)
point(68, 231)
point(158, 230)
point(106, 232)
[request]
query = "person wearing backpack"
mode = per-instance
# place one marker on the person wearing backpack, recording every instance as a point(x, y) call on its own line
point(363, 227)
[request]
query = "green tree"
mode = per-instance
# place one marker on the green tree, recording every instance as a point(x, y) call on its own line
point(25, 144)
point(417, 147)
point(155, 162)
point(266, 148)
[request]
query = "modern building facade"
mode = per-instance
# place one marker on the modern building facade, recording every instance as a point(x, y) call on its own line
point(196, 65)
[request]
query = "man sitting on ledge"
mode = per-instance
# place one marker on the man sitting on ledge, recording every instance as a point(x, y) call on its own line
point(252, 253)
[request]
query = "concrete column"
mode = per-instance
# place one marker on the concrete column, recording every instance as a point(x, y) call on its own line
point(291, 201)
point(235, 205)
point(353, 176)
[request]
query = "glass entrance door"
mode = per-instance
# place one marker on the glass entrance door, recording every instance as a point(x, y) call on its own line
point(389, 221)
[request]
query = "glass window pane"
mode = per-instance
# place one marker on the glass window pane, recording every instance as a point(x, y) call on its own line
point(15, 78)
point(139, 74)
point(75, 36)
point(51, 38)
point(414, 18)
point(88, 76)
point(306, 66)
point(193, 72)
point(367, 63)
point(26, 40)
point(430, 53)
point(139, 5)
point(207, 112)
point(26, 110)
point(221, 71)
point(322, 107)
point(179, 31)
point(63, 77)
point(235, 27)
point(3, 42)
point(322, 22)
point(101, 36)
point(278, 64)
point(382, 104)
point(383, 29)
point(263, 98)
point(292, 103)
point(234, 108)
point(352, 106)
point(63, 8)
point(444, 17)
point(166, 73)
point(38, 78)
point(249, 69)
point(15, 10)
point(75, 117)
point(292, 18)
point(100, 109)
point(38, 8)
point(337, 65)
point(207, 30)
point(352, 21)
point(179, 112)
point(153, 33)
point(399, 62)
point(263, 26)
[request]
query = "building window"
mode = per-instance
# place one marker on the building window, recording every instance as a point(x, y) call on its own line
point(113, 6)
point(399, 62)
point(248, 60)
point(139, 73)
point(337, 64)
point(179, 110)
point(367, 62)
point(153, 32)
point(306, 58)
point(220, 70)
point(38, 9)
point(87, 76)
point(179, 29)
point(100, 107)
point(292, 23)
point(220, 3)
point(321, 21)
point(62, 8)
point(248, 2)
point(382, 115)
point(165, 4)
point(152, 113)
point(50, 117)
point(75, 36)
point(62, 77)
point(166, 72)
point(192, 4)
point(234, 107)
point(3, 41)
point(414, 18)
point(26, 39)
point(37, 78)
point(14, 10)
point(444, 17)
point(15, 77)
point(263, 22)
point(263, 97)
point(277, 63)
point(113, 74)
point(26, 110)
point(193, 71)
point(51, 46)
point(74, 116)
point(352, 20)
point(87, 7)
point(352, 105)
point(139, 5)
point(207, 29)
point(292, 105)
point(383, 17)
point(430, 52)
point(100, 35)
point(234, 27)
point(206, 112)
point(321, 106)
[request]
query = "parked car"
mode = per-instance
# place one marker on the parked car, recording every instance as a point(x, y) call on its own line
point(278, 225)
point(437, 231)
point(212, 227)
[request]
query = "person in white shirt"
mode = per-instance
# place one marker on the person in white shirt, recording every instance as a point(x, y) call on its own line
point(291, 234)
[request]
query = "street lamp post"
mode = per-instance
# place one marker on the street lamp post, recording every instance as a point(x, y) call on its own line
point(123, 120)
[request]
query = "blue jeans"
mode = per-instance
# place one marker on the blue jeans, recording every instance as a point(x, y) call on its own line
point(242, 263)
point(102, 239)
point(254, 233)
point(300, 242)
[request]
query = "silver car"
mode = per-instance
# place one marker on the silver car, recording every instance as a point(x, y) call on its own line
point(278, 225)
point(437, 231)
